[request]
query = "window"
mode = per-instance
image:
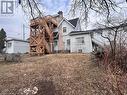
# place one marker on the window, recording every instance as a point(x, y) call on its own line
point(125, 29)
point(64, 29)
point(80, 50)
point(68, 42)
point(55, 43)
point(80, 40)
point(9, 44)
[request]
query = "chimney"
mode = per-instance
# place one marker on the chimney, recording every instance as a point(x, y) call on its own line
point(60, 14)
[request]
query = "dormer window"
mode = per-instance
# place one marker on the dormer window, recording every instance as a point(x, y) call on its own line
point(64, 29)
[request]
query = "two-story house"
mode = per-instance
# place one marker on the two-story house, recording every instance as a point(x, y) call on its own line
point(68, 36)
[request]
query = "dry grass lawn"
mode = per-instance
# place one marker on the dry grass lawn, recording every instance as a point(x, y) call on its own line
point(55, 74)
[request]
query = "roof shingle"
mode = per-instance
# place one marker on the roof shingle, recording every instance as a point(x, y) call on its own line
point(74, 21)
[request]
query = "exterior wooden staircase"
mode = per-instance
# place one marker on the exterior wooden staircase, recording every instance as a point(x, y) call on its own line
point(41, 35)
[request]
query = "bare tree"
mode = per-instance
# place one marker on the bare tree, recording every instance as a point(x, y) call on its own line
point(85, 7)
point(116, 27)
point(114, 59)
point(31, 7)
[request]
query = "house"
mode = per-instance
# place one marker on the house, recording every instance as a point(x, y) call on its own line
point(68, 36)
point(16, 46)
point(80, 41)
point(99, 39)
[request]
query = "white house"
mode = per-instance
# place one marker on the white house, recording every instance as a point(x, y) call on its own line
point(80, 41)
point(99, 35)
point(68, 36)
point(17, 46)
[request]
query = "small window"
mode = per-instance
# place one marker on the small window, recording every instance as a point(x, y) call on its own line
point(80, 50)
point(9, 44)
point(64, 29)
point(68, 41)
point(80, 40)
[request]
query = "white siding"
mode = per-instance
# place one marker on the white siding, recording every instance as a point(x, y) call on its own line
point(66, 34)
point(17, 47)
point(74, 46)
point(86, 47)
point(11, 48)
point(69, 27)
point(21, 47)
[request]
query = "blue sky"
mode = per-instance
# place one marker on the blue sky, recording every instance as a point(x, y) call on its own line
point(53, 6)
point(13, 24)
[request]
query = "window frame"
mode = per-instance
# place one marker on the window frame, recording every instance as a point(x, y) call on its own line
point(80, 40)
point(68, 42)
point(64, 29)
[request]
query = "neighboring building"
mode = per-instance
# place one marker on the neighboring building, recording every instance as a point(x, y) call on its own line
point(98, 40)
point(68, 36)
point(16, 46)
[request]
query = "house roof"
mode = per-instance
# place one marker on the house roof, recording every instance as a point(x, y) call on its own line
point(79, 32)
point(71, 23)
point(110, 27)
point(74, 21)
point(98, 30)
point(14, 39)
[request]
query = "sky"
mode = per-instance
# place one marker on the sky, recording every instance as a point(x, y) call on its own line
point(13, 24)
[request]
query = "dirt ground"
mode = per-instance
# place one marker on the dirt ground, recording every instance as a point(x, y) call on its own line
point(54, 74)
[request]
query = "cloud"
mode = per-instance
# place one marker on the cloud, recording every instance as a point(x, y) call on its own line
point(13, 24)
point(53, 6)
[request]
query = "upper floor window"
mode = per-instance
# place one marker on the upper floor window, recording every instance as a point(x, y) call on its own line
point(64, 29)
point(80, 40)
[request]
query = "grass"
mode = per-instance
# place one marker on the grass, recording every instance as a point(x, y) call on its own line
point(55, 74)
